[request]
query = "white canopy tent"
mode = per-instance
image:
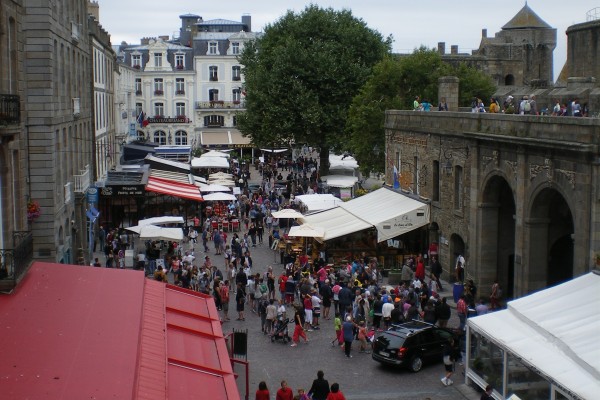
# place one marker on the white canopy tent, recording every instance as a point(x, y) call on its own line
point(161, 220)
point(219, 196)
point(390, 212)
point(214, 188)
point(336, 222)
point(340, 181)
point(210, 162)
point(317, 202)
point(215, 153)
point(222, 182)
point(554, 332)
point(158, 232)
point(287, 213)
point(306, 230)
point(342, 162)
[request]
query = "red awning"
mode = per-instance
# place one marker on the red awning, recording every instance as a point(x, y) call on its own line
point(172, 188)
point(67, 330)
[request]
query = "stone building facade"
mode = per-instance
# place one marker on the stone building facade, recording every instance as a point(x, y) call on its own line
point(190, 87)
point(59, 123)
point(517, 196)
point(15, 235)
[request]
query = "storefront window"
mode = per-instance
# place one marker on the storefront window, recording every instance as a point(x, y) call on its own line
point(486, 360)
point(525, 382)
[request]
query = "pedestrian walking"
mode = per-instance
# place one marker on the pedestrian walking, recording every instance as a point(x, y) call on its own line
point(348, 333)
point(319, 388)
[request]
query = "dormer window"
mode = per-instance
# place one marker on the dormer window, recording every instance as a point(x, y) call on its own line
point(235, 48)
point(158, 59)
point(136, 61)
point(179, 61)
point(212, 48)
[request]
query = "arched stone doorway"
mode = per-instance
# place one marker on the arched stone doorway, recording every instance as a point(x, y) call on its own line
point(497, 237)
point(457, 248)
point(550, 232)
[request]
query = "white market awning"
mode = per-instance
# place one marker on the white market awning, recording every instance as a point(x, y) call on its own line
point(340, 181)
point(336, 222)
point(392, 213)
point(318, 202)
point(555, 331)
point(210, 162)
point(219, 196)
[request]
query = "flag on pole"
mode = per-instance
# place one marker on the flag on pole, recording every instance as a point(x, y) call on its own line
point(396, 181)
point(140, 118)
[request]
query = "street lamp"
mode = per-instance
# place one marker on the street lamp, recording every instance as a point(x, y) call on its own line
point(448, 155)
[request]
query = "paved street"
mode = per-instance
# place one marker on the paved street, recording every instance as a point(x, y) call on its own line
point(359, 377)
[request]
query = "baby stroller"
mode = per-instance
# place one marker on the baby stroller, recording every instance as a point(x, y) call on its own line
point(281, 331)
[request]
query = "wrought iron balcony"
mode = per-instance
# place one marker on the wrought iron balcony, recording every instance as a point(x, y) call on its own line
point(14, 262)
point(10, 109)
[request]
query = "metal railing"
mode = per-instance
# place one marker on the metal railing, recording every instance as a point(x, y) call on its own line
point(219, 104)
point(14, 262)
point(82, 182)
point(593, 14)
point(10, 109)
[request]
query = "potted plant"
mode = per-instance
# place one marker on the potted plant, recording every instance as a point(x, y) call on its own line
point(33, 210)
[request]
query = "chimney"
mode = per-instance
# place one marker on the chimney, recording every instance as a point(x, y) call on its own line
point(247, 21)
point(454, 49)
point(442, 48)
point(484, 33)
point(94, 10)
point(145, 41)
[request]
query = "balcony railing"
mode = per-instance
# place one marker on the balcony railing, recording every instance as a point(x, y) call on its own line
point(10, 109)
point(159, 92)
point(81, 182)
point(200, 105)
point(14, 262)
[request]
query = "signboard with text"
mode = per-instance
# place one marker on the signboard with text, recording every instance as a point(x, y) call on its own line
point(123, 190)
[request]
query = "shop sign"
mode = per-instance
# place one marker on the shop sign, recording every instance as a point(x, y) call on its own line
point(123, 190)
point(92, 195)
point(177, 120)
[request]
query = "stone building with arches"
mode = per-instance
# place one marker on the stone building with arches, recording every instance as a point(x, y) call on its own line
point(516, 195)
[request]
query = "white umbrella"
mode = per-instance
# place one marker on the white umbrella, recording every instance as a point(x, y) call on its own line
point(160, 233)
point(210, 162)
point(218, 196)
point(161, 221)
point(214, 188)
point(306, 230)
point(287, 213)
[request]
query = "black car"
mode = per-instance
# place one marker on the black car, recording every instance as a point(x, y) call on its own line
point(411, 345)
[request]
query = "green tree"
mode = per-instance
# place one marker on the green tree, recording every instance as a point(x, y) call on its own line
point(393, 86)
point(301, 76)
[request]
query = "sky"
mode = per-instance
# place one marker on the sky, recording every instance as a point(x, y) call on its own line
point(455, 22)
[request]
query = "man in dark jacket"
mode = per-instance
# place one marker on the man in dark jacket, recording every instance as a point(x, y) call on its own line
point(346, 298)
point(436, 271)
point(442, 312)
point(320, 388)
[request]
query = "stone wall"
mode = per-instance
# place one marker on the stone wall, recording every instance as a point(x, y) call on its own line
point(539, 160)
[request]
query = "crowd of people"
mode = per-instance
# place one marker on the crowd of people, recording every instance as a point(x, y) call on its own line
point(319, 390)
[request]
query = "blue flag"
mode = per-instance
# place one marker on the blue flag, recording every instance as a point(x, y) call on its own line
point(396, 180)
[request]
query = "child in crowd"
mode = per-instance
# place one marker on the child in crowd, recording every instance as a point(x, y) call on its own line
point(337, 323)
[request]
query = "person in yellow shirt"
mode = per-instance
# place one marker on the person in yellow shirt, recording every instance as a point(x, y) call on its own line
point(494, 106)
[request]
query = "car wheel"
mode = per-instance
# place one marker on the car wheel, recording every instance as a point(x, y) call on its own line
point(416, 364)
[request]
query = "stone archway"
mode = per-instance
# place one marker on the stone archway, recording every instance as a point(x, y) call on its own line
point(457, 248)
point(497, 236)
point(550, 231)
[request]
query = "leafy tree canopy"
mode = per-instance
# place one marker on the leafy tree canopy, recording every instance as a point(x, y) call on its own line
point(395, 83)
point(301, 76)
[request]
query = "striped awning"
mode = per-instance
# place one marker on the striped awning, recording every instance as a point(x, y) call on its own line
point(173, 188)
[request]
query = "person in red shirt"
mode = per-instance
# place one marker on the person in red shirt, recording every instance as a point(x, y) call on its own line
point(420, 270)
point(335, 393)
point(285, 393)
point(262, 393)
point(282, 279)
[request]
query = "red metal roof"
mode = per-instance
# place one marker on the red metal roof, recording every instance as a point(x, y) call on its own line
point(71, 332)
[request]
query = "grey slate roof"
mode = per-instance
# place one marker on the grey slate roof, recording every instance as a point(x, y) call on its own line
point(526, 18)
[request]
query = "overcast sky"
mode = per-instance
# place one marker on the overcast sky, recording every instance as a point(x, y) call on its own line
point(411, 23)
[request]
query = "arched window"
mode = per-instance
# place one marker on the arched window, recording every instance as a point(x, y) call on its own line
point(509, 80)
point(160, 137)
point(181, 138)
point(141, 136)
